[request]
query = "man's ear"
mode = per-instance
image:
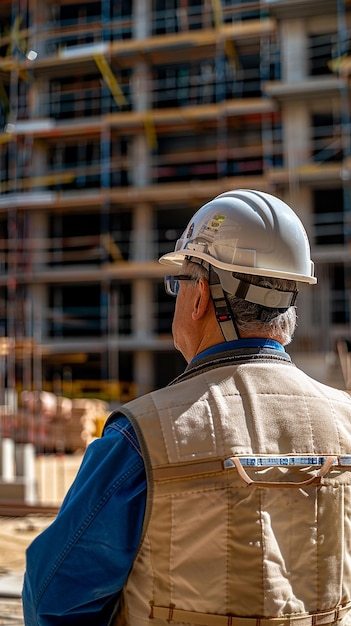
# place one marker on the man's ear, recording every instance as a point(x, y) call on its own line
point(202, 299)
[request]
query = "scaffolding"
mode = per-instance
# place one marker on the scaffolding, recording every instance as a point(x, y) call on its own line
point(118, 119)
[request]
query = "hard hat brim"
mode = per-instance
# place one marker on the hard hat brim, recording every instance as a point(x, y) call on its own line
point(177, 258)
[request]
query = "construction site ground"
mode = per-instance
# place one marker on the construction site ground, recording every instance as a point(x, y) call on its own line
point(55, 474)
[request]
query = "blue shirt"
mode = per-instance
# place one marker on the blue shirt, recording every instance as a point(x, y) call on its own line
point(76, 568)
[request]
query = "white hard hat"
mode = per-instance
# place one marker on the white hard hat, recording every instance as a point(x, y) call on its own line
point(250, 232)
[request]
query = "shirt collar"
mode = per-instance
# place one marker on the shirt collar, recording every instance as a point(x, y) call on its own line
point(240, 343)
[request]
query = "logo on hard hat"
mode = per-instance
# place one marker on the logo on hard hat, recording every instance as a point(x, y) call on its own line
point(216, 221)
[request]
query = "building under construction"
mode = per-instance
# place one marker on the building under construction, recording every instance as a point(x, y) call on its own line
point(118, 119)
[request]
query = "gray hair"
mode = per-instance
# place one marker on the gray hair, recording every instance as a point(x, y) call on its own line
point(280, 326)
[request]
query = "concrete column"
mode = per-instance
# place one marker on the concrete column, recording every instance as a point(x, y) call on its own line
point(296, 139)
point(294, 50)
point(141, 96)
point(29, 473)
point(141, 162)
point(25, 465)
point(143, 217)
point(144, 372)
point(142, 307)
point(296, 143)
point(141, 149)
point(142, 12)
point(39, 232)
point(142, 328)
point(296, 134)
point(143, 246)
point(140, 87)
point(39, 259)
point(8, 460)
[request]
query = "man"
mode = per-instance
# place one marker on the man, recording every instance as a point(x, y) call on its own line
point(224, 498)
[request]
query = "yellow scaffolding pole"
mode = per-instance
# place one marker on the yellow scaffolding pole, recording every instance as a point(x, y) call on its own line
point(230, 48)
point(217, 13)
point(150, 131)
point(110, 79)
point(111, 247)
point(3, 96)
point(231, 53)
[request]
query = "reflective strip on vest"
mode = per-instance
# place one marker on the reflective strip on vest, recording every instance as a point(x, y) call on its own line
point(206, 466)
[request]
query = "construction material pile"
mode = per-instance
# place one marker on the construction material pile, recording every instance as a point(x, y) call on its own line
point(55, 423)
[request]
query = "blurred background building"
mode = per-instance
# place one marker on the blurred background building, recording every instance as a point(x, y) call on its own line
point(118, 119)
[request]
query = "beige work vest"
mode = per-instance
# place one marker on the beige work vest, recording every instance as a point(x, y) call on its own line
point(219, 548)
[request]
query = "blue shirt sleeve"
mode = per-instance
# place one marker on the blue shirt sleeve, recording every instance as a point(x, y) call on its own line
point(77, 567)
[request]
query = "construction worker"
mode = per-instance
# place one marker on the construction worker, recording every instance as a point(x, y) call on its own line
point(225, 497)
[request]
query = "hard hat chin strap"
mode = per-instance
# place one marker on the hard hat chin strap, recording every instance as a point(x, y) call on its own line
point(224, 314)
